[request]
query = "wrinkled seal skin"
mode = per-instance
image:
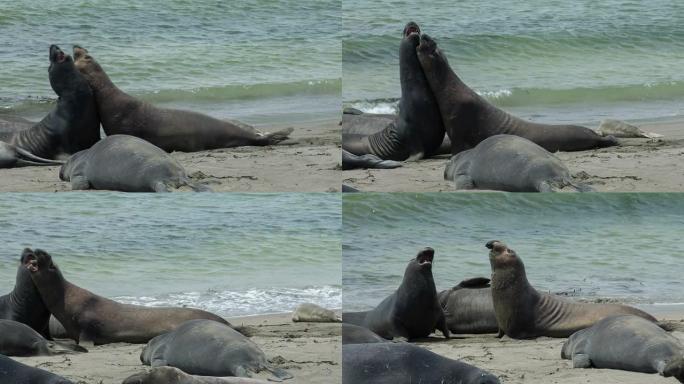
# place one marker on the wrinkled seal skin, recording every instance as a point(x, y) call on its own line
point(354, 334)
point(169, 129)
point(12, 156)
point(509, 163)
point(15, 372)
point(170, 375)
point(72, 125)
point(468, 118)
point(18, 339)
point(522, 312)
point(24, 303)
point(413, 310)
point(417, 132)
point(629, 343)
point(352, 161)
point(92, 318)
point(125, 163)
point(404, 363)
point(469, 308)
point(205, 347)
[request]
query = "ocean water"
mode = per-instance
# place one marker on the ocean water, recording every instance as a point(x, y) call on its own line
point(552, 61)
point(626, 247)
point(233, 254)
point(263, 62)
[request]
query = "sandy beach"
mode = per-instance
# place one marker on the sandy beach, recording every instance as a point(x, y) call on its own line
point(308, 162)
point(309, 351)
point(636, 165)
point(538, 361)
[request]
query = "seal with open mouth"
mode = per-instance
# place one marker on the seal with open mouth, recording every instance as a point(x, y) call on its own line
point(416, 132)
point(469, 118)
point(71, 126)
point(523, 313)
point(92, 318)
point(168, 129)
point(413, 310)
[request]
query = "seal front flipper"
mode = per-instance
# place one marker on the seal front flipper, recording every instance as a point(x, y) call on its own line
point(277, 137)
point(278, 373)
point(581, 360)
point(79, 183)
point(57, 348)
point(464, 182)
point(475, 282)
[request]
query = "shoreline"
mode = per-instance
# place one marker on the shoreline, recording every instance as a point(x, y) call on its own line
point(636, 165)
point(308, 351)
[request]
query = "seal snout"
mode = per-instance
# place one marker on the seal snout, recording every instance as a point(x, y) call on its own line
point(56, 54)
point(411, 28)
point(499, 248)
point(426, 256)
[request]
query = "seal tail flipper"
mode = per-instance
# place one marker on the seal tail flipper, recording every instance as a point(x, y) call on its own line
point(58, 348)
point(278, 136)
point(39, 160)
point(279, 374)
point(674, 368)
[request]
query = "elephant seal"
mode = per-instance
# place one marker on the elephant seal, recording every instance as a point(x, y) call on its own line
point(352, 161)
point(12, 156)
point(522, 312)
point(92, 318)
point(171, 375)
point(312, 313)
point(469, 307)
point(168, 129)
point(617, 128)
point(417, 131)
point(72, 125)
point(628, 343)
point(404, 363)
point(17, 373)
point(18, 339)
point(205, 347)
point(24, 303)
point(353, 334)
point(125, 163)
point(469, 118)
point(413, 310)
point(510, 163)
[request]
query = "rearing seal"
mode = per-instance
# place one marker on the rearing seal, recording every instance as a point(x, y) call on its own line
point(468, 118)
point(417, 131)
point(169, 129)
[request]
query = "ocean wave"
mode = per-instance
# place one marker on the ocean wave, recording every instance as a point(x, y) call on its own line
point(253, 301)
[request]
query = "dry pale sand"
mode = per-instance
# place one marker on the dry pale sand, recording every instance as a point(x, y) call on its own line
point(309, 351)
point(538, 361)
point(637, 165)
point(309, 162)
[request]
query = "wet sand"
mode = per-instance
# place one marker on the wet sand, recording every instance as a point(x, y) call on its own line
point(309, 351)
point(310, 161)
point(636, 165)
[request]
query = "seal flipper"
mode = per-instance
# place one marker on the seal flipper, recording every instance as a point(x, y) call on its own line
point(475, 282)
point(278, 373)
point(463, 181)
point(79, 183)
point(278, 136)
point(442, 324)
point(58, 348)
point(158, 362)
point(581, 360)
point(674, 367)
point(160, 186)
point(36, 160)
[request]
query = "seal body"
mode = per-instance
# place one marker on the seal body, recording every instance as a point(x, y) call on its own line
point(312, 313)
point(18, 339)
point(509, 163)
point(469, 308)
point(205, 347)
point(24, 304)
point(169, 129)
point(523, 313)
point(89, 317)
point(413, 310)
point(17, 373)
point(71, 126)
point(628, 343)
point(468, 118)
point(417, 131)
point(354, 334)
point(170, 375)
point(125, 163)
point(404, 363)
